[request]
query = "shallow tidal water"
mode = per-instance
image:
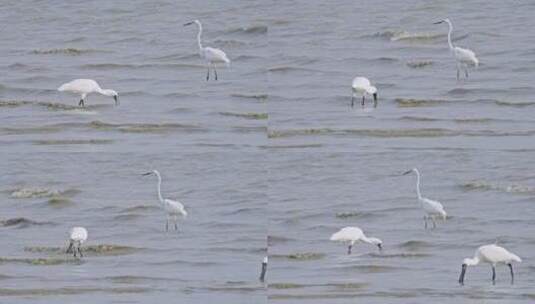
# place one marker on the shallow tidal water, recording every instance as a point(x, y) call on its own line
point(270, 157)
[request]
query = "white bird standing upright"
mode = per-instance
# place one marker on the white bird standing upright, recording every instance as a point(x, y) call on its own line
point(212, 56)
point(463, 57)
point(362, 85)
point(264, 269)
point(492, 254)
point(431, 208)
point(173, 208)
point(351, 235)
point(85, 87)
point(77, 236)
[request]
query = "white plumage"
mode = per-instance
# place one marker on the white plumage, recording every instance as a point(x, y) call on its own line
point(463, 57)
point(77, 236)
point(352, 235)
point(493, 255)
point(431, 208)
point(172, 208)
point(362, 86)
point(212, 56)
point(85, 87)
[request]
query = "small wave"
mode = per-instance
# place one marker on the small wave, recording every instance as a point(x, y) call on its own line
point(419, 64)
point(354, 214)
point(254, 29)
point(59, 202)
point(64, 51)
point(457, 120)
point(411, 102)
point(303, 146)
point(414, 245)
point(40, 192)
point(304, 256)
point(142, 127)
point(486, 186)
point(20, 222)
point(285, 286)
point(383, 133)
point(140, 208)
point(406, 36)
point(514, 104)
point(92, 250)
point(250, 95)
point(399, 255)
point(14, 103)
point(374, 268)
point(72, 142)
point(246, 115)
point(274, 239)
point(39, 261)
point(69, 291)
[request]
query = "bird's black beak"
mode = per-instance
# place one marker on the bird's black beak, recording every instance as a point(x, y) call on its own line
point(263, 272)
point(407, 172)
point(461, 277)
point(189, 23)
point(116, 98)
point(439, 22)
point(148, 173)
point(380, 247)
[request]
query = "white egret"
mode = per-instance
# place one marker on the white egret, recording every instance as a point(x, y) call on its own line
point(264, 269)
point(492, 254)
point(85, 87)
point(78, 235)
point(173, 208)
point(212, 56)
point(431, 208)
point(362, 85)
point(463, 57)
point(352, 235)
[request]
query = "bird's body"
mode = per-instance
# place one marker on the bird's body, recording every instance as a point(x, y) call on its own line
point(211, 56)
point(463, 57)
point(362, 86)
point(85, 87)
point(77, 236)
point(491, 254)
point(171, 207)
point(352, 235)
point(431, 208)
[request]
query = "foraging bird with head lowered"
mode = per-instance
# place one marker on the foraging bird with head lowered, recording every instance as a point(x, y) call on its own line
point(431, 208)
point(491, 254)
point(77, 236)
point(463, 57)
point(173, 208)
point(361, 85)
point(85, 87)
point(212, 56)
point(352, 235)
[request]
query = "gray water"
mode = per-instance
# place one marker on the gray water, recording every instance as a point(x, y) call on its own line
point(272, 149)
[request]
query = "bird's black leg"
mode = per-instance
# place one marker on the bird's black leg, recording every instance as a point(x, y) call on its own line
point(466, 71)
point(493, 275)
point(363, 100)
point(425, 222)
point(80, 251)
point(512, 273)
point(208, 73)
point(81, 103)
point(349, 249)
point(70, 248)
point(352, 100)
point(458, 73)
point(215, 72)
point(434, 222)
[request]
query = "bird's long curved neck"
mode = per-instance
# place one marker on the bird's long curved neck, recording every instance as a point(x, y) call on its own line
point(449, 35)
point(199, 37)
point(472, 262)
point(160, 188)
point(366, 239)
point(418, 185)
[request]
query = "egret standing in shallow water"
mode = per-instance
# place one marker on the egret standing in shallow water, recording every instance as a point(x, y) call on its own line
point(431, 208)
point(85, 87)
point(362, 85)
point(352, 235)
point(264, 269)
point(463, 57)
point(78, 235)
point(212, 56)
point(173, 208)
point(491, 254)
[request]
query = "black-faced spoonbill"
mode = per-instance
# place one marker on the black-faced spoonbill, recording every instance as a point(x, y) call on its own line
point(431, 208)
point(361, 85)
point(264, 269)
point(352, 235)
point(491, 254)
point(85, 87)
point(173, 208)
point(77, 236)
point(210, 55)
point(463, 57)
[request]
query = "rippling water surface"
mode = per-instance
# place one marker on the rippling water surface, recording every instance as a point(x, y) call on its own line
point(273, 149)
